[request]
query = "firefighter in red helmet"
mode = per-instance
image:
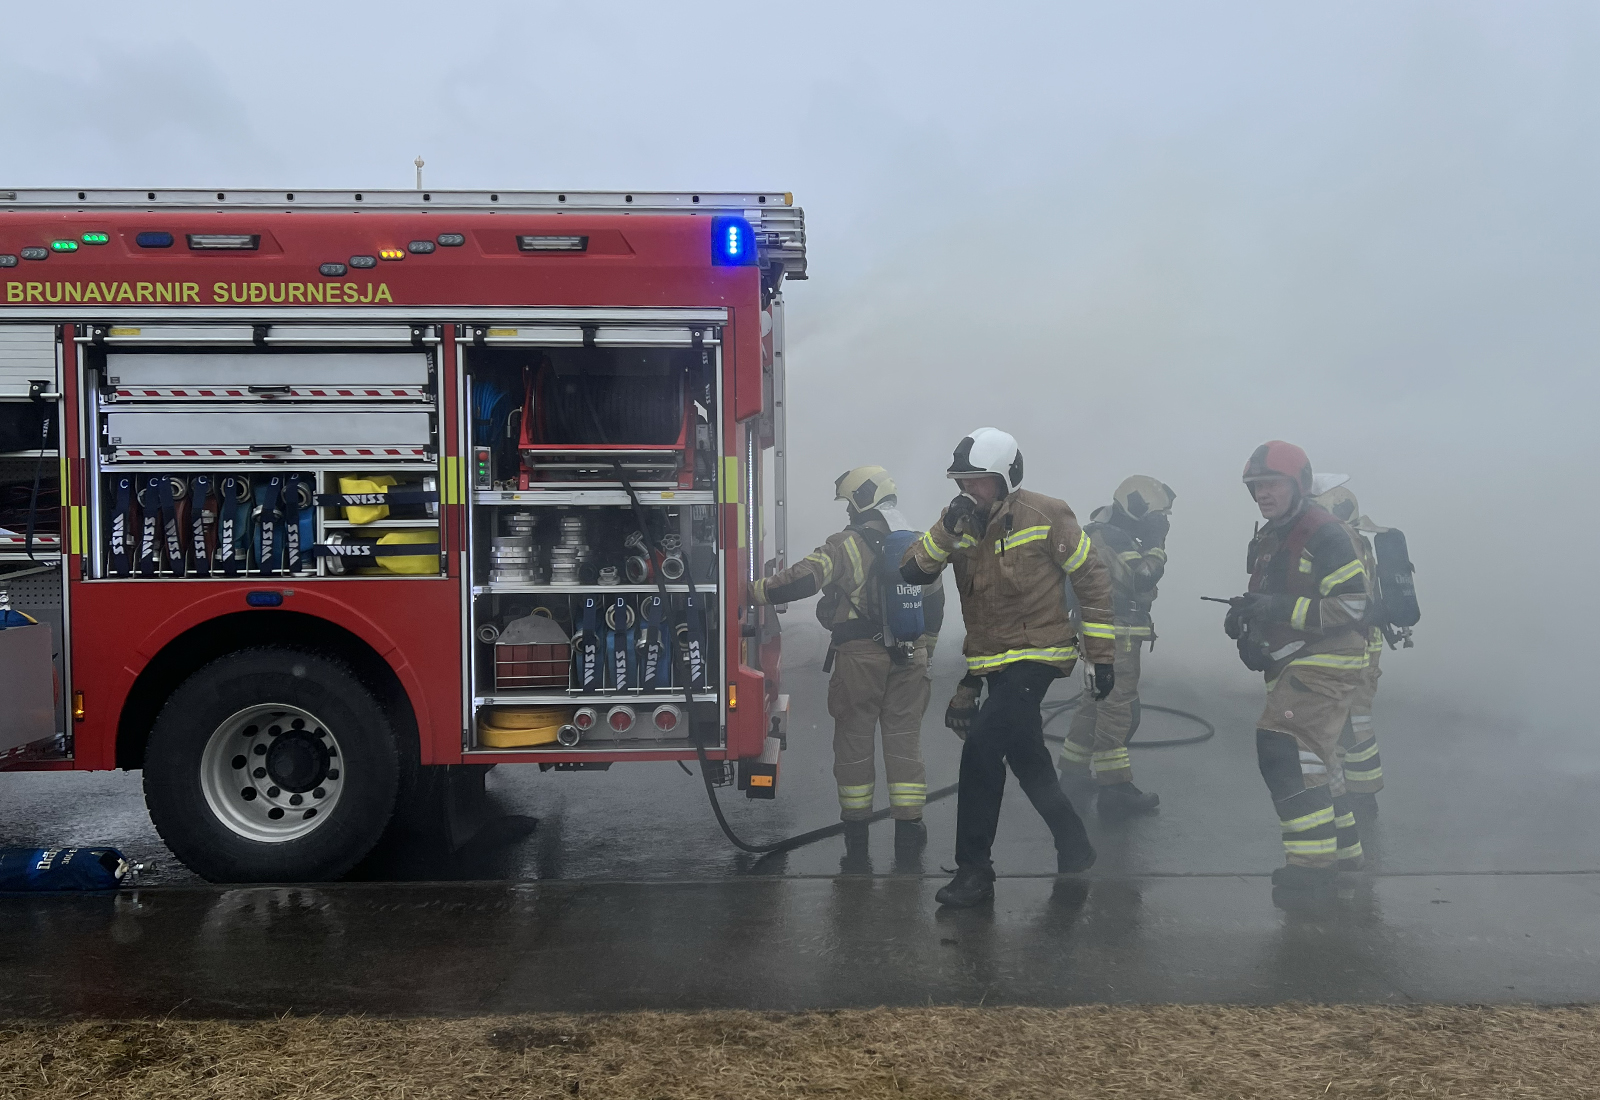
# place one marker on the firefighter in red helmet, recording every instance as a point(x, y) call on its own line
point(1303, 625)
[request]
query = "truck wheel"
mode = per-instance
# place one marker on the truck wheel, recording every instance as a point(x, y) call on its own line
point(271, 765)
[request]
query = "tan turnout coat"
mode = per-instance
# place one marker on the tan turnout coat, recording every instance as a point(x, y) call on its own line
point(1012, 584)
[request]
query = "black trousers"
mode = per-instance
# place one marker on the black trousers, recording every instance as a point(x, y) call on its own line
point(1010, 730)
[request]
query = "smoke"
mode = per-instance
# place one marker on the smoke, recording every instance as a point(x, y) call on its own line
point(1142, 238)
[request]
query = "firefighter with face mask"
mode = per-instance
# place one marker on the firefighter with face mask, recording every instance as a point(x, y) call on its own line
point(1358, 745)
point(1302, 624)
point(1013, 552)
point(871, 685)
point(1130, 538)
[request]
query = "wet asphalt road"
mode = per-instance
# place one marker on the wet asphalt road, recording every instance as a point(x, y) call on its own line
point(1483, 888)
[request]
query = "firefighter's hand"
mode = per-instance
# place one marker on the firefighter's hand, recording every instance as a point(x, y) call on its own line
point(1153, 529)
point(963, 510)
point(1233, 625)
point(963, 708)
point(1105, 678)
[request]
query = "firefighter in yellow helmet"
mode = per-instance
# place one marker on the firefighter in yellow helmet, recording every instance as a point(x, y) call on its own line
point(1130, 538)
point(873, 685)
point(1358, 745)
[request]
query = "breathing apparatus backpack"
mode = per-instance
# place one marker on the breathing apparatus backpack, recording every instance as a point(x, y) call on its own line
point(1397, 592)
point(899, 616)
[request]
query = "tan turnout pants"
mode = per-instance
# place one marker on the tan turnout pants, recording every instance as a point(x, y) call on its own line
point(1358, 748)
point(1098, 739)
point(1309, 703)
point(869, 689)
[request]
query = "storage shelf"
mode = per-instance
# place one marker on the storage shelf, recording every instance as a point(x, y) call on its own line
point(50, 452)
point(377, 525)
point(505, 589)
point(560, 697)
point(38, 555)
point(546, 497)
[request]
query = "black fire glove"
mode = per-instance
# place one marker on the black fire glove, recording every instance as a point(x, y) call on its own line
point(963, 706)
point(1233, 624)
point(1255, 607)
point(1153, 529)
point(1105, 678)
point(962, 508)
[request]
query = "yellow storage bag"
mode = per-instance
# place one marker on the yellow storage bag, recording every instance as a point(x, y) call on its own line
point(370, 483)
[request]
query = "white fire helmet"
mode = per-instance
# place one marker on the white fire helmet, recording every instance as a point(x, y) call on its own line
point(988, 451)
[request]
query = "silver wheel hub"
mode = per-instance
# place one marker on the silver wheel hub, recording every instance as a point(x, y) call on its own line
point(272, 772)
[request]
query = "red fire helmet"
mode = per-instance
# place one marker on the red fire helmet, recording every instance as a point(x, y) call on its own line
point(1275, 458)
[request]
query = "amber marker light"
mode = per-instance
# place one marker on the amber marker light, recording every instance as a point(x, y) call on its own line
point(733, 696)
point(391, 253)
point(77, 706)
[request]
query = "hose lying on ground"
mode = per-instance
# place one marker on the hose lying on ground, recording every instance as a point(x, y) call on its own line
point(1055, 708)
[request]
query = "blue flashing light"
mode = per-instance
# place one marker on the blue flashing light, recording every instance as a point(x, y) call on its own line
point(154, 239)
point(264, 599)
point(733, 243)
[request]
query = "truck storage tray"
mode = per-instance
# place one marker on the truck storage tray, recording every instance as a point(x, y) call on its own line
point(243, 376)
point(251, 431)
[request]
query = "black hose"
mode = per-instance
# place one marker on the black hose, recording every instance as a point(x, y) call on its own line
point(1055, 708)
point(682, 666)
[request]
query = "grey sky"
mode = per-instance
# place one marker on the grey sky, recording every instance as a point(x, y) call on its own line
point(1141, 237)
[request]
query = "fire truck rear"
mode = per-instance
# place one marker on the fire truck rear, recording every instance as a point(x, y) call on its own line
point(312, 497)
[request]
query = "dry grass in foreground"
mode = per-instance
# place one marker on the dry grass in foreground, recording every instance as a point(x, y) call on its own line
point(1103, 1052)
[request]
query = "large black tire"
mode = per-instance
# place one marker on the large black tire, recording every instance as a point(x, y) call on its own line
point(309, 732)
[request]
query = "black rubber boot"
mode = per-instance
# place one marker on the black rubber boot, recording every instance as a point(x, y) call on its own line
point(1124, 800)
point(1078, 859)
point(1366, 805)
point(970, 887)
point(856, 860)
point(1293, 876)
point(910, 836)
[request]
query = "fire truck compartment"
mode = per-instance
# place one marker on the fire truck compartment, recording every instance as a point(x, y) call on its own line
point(320, 376)
point(27, 684)
point(263, 431)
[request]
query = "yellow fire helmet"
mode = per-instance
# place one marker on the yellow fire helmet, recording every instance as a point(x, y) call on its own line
point(1341, 502)
point(1139, 495)
point(864, 488)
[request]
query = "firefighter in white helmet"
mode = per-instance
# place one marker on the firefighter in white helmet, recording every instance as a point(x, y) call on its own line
point(873, 685)
point(1130, 537)
point(1013, 552)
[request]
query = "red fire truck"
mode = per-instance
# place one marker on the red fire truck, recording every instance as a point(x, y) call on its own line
point(314, 495)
